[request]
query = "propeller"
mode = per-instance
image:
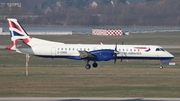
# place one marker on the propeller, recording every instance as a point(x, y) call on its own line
point(115, 53)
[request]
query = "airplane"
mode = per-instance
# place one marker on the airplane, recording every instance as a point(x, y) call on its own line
point(23, 43)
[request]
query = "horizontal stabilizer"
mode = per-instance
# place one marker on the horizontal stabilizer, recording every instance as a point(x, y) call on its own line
point(21, 44)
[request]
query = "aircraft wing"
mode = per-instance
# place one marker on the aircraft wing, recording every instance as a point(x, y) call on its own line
point(85, 54)
point(98, 55)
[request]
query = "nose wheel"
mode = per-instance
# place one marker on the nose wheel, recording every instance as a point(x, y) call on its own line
point(161, 67)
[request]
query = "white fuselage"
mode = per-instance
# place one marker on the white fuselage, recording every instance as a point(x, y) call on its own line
point(50, 49)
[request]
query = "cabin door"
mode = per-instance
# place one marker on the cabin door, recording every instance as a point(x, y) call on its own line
point(53, 51)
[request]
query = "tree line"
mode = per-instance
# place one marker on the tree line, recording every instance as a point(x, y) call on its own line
point(107, 12)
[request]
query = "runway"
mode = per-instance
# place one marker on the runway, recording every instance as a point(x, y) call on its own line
point(2, 47)
point(171, 46)
point(84, 99)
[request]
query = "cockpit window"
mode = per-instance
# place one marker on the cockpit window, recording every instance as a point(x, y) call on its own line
point(158, 49)
point(162, 49)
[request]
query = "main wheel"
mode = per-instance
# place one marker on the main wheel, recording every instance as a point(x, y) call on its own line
point(94, 64)
point(87, 66)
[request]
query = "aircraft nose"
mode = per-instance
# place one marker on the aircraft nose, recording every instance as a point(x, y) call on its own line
point(171, 56)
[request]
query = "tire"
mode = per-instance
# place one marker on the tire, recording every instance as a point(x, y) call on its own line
point(87, 66)
point(94, 64)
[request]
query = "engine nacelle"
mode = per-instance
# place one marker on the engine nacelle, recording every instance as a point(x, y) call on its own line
point(103, 55)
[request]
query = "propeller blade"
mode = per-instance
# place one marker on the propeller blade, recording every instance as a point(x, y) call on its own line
point(115, 58)
point(116, 47)
point(115, 53)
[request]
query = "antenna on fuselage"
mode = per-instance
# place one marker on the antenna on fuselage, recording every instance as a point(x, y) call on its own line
point(101, 43)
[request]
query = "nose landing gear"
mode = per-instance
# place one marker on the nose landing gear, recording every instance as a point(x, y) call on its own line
point(161, 64)
point(161, 67)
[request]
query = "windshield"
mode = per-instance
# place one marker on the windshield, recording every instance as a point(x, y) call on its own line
point(160, 49)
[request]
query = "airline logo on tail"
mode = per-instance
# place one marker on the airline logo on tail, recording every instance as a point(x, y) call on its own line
point(17, 33)
point(15, 28)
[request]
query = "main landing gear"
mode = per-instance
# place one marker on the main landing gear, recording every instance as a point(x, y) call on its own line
point(88, 66)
